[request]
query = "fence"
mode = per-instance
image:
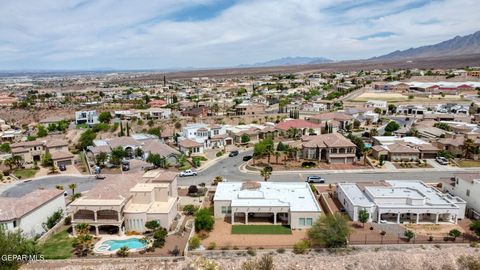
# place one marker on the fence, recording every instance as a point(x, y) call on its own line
point(369, 239)
point(324, 204)
point(55, 229)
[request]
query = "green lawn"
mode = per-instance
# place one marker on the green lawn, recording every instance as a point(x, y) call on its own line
point(469, 163)
point(57, 247)
point(25, 173)
point(260, 229)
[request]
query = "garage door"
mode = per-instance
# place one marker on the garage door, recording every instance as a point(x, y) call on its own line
point(65, 162)
point(338, 160)
point(430, 155)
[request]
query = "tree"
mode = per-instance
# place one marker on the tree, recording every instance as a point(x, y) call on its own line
point(356, 124)
point(277, 156)
point(203, 220)
point(159, 237)
point(216, 180)
point(281, 147)
point(454, 233)
point(377, 110)
point(245, 138)
point(189, 209)
point(475, 227)
point(138, 152)
point(101, 158)
point(5, 148)
point(392, 126)
point(330, 231)
point(192, 189)
point(72, 186)
point(41, 131)
point(373, 132)
point(47, 160)
point(266, 172)
point(53, 219)
point(86, 139)
point(117, 155)
point(9, 162)
point(105, 117)
point(152, 225)
point(363, 216)
point(409, 235)
point(157, 160)
point(15, 243)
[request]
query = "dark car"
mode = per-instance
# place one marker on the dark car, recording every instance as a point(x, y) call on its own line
point(233, 153)
point(62, 167)
point(247, 158)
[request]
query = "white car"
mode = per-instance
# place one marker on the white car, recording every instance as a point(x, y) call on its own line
point(442, 160)
point(188, 173)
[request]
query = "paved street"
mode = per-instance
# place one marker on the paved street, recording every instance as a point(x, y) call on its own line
point(83, 182)
point(228, 168)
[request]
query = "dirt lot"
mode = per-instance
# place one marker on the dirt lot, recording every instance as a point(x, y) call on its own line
point(223, 237)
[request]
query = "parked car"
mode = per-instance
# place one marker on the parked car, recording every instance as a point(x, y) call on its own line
point(442, 160)
point(62, 167)
point(233, 153)
point(315, 179)
point(188, 173)
point(125, 167)
point(247, 158)
point(100, 176)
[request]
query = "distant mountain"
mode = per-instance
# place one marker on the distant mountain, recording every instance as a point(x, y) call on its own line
point(458, 45)
point(291, 61)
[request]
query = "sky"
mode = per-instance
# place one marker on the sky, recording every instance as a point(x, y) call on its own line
point(166, 34)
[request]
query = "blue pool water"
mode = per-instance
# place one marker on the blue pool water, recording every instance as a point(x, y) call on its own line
point(368, 145)
point(131, 243)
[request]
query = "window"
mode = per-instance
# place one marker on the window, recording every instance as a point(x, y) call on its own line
point(224, 209)
point(468, 192)
point(302, 222)
point(309, 222)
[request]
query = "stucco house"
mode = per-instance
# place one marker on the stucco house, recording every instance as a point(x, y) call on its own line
point(467, 187)
point(332, 148)
point(124, 203)
point(29, 212)
point(400, 201)
point(289, 203)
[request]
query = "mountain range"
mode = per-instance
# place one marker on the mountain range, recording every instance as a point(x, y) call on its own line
point(459, 45)
point(291, 61)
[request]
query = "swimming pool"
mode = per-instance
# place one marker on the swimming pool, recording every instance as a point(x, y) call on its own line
point(113, 245)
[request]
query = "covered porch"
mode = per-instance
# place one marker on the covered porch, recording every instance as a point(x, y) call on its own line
point(416, 218)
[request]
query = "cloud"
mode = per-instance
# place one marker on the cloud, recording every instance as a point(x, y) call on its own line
point(83, 34)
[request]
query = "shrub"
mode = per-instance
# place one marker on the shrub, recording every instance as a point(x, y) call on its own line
point(301, 247)
point(193, 243)
point(175, 251)
point(308, 164)
point(159, 237)
point(251, 251)
point(189, 209)
point(454, 233)
point(281, 250)
point(264, 263)
point(67, 221)
point(211, 245)
point(192, 189)
point(123, 252)
point(152, 225)
point(203, 234)
point(220, 153)
point(409, 235)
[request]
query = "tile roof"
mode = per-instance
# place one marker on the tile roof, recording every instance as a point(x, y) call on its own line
point(158, 147)
point(13, 208)
point(296, 123)
point(187, 143)
point(327, 140)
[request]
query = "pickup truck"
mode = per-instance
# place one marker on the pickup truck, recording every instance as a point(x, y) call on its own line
point(188, 173)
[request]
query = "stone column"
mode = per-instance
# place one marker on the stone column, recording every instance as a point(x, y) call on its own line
point(118, 215)
point(95, 215)
point(436, 218)
point(398, 218)
point(275, 218)
point(96, 230)
point(232, 216)
point(418, 217)
point(379, 216)
point(246, 217)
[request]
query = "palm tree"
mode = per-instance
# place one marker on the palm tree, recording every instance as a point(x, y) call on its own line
point(17, 161)
point(468, 146)
point(266, 172)
point(366, 152)
point(373, 132)
point(82, 228)
point(277, 155)
point(72, 186)
point(268, 152)
point(10, 163)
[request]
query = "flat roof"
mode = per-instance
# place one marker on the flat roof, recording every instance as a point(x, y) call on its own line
point(297, 196)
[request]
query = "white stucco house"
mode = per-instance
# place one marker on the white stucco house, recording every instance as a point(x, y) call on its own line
point(86, 117)
point(29, 212)
point(209, 136)
point(286, 203)
point(467, 187)
point(400, 201)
